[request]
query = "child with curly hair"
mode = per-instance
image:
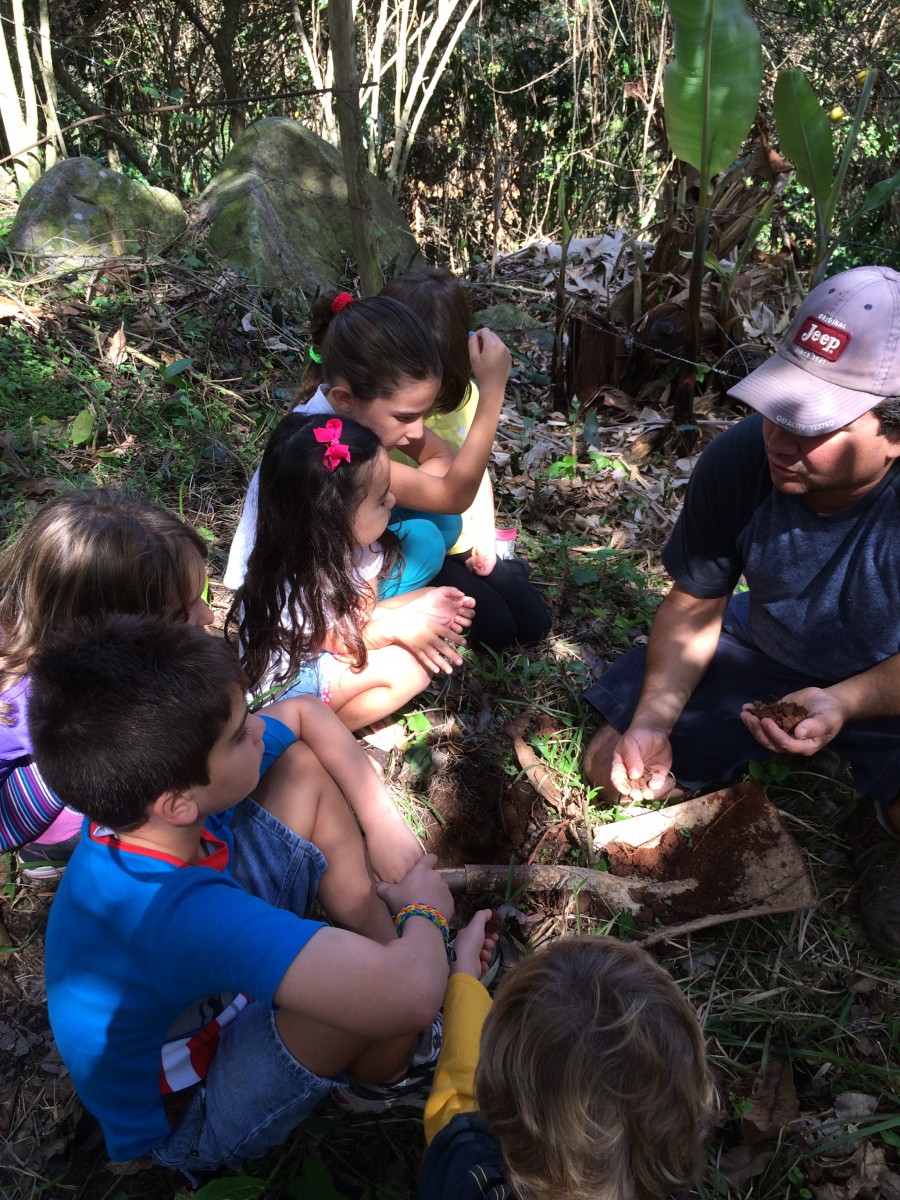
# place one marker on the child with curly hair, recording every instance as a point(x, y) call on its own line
point(306, 617)
point(586, 1079)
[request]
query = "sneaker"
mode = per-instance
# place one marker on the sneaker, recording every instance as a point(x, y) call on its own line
point(876, 853)
point(494, 965)
point(43, 862)
point(411, 1091)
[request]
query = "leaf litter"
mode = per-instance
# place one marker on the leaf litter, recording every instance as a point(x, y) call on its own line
point(593, 512)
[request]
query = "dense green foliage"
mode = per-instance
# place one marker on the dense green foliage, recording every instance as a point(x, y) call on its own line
point(476, 145)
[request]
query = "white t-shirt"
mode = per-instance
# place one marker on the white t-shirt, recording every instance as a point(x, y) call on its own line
point(367, 566)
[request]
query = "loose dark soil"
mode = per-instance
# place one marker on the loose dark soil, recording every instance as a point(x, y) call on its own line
point(716, 855)
point(485, 816)
point(786, 714)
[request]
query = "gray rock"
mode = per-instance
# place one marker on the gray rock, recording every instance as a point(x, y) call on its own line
point(278, 212)
point(79, 213)
point(513, 321)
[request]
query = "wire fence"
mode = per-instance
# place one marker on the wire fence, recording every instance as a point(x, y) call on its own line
point(491, 166)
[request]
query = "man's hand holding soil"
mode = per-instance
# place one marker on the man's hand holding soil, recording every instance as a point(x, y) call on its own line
point(824, 721)
point(641, 763)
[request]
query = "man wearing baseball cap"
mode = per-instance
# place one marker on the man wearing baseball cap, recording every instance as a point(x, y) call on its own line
point(801, 501)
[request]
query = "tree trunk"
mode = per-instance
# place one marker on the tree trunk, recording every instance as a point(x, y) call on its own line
point(221, 42)
point(57, 146)
point(409, 106)
point(321, 80)
point(18, 131)
point(346, 91)
point(118, 138)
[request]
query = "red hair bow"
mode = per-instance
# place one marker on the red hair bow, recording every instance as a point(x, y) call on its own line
point(336, 451)
point(341, 300)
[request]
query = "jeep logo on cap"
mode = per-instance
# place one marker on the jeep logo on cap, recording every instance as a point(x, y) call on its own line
point(823, 340)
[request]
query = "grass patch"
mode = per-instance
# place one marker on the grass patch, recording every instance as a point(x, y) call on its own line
point(801, 1017)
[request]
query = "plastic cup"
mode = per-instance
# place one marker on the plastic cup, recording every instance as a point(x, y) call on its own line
point(505, 542)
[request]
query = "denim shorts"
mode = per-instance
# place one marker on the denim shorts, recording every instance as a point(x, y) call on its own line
point(256, 1093)
point(710, 742)
point(314, 679)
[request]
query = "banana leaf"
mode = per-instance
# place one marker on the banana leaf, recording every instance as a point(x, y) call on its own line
point(804, 132)
point(711, 87)
point(879, 195)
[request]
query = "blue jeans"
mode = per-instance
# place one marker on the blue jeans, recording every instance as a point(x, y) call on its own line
point(314, 678)
point(710, 742)
point(256, 1093)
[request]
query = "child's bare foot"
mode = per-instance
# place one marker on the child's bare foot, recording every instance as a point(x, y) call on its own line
point(448, 605)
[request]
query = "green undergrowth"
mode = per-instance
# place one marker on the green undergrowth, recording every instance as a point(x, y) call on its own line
point(798, 1012)
point(154, 378)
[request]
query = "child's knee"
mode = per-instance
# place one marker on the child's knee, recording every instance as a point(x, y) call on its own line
point(290, 790)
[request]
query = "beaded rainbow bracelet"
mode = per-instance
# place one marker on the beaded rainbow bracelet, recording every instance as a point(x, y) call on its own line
point(430, 914)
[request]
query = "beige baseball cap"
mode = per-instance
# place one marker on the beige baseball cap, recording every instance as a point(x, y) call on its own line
point(839, 358)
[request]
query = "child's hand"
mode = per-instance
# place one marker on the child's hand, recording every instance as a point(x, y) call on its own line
point(420, 885)
point(482, 562)
point(448, 605)
point(490, 365)
point(392, 846)
point(430, 643)
point(473, 946)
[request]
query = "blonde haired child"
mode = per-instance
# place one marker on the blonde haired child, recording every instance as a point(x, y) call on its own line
point(591, 1080)
point(83, 554)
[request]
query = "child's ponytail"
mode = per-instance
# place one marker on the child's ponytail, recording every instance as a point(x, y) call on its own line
point(374, 345)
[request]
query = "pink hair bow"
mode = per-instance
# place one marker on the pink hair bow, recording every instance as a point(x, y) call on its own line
point(336, 451)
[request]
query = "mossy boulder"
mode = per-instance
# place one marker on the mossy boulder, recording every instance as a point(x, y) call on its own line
point(278, 212)
point(80, 213)
point(512, 321)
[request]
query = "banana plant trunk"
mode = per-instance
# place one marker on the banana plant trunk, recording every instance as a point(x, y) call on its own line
point(711, 92)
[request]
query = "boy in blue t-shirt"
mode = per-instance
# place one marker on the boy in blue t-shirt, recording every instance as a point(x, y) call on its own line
point(200, 1012)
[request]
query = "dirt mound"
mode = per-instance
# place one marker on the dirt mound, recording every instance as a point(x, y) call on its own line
point(723, 857)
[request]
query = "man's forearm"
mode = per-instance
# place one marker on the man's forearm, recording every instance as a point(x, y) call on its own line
point(681, 646)
point(873, 693)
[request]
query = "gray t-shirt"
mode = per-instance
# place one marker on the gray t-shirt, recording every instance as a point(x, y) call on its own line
point(824, 590)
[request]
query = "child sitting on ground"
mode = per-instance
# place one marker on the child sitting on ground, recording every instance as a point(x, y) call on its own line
point(591, 1081)
point(83, 554)
point(200, 1012)
point(508, 609)
point(376, 363)
point(306, 616)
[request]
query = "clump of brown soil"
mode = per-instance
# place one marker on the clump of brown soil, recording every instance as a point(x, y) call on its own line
point(716, 855)
point(785, 713)
point(643, 779)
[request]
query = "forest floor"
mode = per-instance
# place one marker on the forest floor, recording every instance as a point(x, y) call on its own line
point(167, 380)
